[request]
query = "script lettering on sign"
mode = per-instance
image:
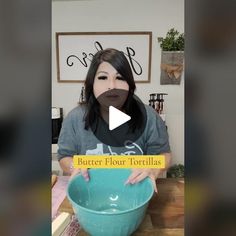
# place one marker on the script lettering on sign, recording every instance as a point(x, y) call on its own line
point(86, 58)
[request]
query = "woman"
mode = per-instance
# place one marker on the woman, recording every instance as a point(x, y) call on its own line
point(110, 71)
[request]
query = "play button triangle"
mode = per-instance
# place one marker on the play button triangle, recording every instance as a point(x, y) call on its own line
point(116, 118)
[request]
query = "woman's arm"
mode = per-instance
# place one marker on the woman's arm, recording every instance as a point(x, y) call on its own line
point(66, 164)
point(167, 161)
point(140, 174)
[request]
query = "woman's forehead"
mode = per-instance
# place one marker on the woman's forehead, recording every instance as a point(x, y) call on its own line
point(106, 67)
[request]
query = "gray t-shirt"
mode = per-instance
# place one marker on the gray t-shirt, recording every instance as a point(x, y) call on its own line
point(74, 139)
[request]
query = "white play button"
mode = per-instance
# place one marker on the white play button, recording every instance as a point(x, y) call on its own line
point(116, 118)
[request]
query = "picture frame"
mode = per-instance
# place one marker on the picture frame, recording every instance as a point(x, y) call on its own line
point(75, 50)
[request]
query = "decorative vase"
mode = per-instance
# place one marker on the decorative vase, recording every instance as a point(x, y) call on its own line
point(171, 67)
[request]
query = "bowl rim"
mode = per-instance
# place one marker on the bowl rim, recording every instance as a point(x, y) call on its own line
point(108, 213)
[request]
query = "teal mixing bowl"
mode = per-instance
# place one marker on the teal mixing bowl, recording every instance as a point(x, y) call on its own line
point(105, 206)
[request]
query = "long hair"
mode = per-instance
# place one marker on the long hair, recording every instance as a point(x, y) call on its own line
point(118, 60)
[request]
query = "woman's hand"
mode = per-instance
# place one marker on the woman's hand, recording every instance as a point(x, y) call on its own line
point(83, 172)
point(140, 174)
point(153, 173)
point(66, 164)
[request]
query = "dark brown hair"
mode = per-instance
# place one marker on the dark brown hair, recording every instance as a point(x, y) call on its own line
point(118, 60)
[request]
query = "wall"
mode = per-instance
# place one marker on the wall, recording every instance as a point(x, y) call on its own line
point(157, 16)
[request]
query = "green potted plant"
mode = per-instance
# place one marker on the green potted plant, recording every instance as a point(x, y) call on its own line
point(176, 171)
point(172, 56)
point(174, 41)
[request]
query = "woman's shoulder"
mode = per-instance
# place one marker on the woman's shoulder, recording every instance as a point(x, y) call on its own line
point(153, 118)
point(151, 113)
point(77, 113)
